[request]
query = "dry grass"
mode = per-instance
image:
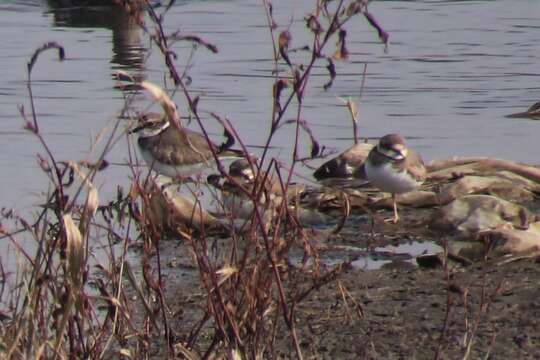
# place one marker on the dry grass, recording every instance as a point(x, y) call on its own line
point(68, 298)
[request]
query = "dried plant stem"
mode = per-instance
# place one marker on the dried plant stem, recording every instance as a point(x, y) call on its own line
point(449, 303)
point(63, 309)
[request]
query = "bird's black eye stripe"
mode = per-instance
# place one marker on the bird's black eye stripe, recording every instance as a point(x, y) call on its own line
point(136, 129)
point(151, 125)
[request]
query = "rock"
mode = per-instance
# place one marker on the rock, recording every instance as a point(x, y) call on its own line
point(510, 187)
point(471, 251)
point(508, 240)
point(459, 167)
point(471, 214)
point(438, 173)
point(173, 263)
point(399, 265)
point(328, 198)
point(430, 261)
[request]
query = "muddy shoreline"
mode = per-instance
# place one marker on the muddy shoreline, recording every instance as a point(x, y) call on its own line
point(489, 309)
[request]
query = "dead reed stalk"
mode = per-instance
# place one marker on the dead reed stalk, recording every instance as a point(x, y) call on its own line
point(73, 301)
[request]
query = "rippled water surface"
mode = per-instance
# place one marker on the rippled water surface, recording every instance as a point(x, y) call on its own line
point(453, 70)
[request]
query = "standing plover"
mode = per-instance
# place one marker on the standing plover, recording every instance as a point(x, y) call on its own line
point(393, 168)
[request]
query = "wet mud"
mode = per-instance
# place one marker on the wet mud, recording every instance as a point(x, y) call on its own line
point(384, 305)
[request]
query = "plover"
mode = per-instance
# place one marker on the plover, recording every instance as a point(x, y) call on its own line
point(234, 192)
point(393, 168)
point(346, 169)
point(532, 112)
point(176, 152)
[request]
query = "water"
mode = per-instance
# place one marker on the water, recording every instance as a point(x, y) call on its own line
point(407, 252)
point(454, 69)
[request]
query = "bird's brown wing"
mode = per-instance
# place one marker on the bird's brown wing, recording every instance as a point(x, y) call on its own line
point(415, 166)
point(198, 145)
point(345, 165)
point(172, 147)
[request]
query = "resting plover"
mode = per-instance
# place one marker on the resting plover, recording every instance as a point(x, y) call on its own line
point(346, 169)
point(393, 168)
point(176, 152)
point(234, 192)
point(532, 113)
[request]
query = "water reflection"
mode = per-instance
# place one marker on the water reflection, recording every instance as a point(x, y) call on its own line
point(126, 34)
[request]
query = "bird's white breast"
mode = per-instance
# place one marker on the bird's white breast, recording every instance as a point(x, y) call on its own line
point(237, 205)
point(171, 170)
point(390, 180)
